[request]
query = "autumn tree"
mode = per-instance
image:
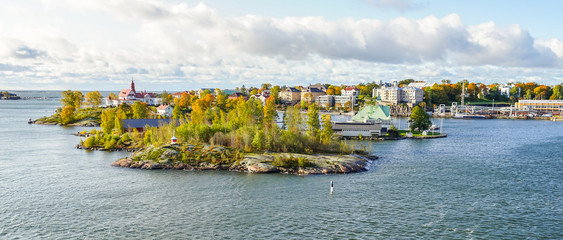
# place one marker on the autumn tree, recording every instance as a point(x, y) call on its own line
point(166, 98)
point(72, 98)
point(107, 120)
point(177, 112)
point(94, 99)
point(198, 112)
point(140, 110)
point(274, 92)
point(124, 111)
point(67, 115)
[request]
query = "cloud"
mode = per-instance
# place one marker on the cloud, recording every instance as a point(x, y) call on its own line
point(177, 43)
point(400, 5)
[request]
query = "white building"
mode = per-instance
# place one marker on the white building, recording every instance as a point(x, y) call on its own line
point(164, 110)
point(350, 91)
point(420, 84)
point(325, 101)
point(396, 95)
point(345, 101)
point(505, 90)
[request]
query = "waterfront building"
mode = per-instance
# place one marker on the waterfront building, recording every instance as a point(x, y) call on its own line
point(375, 114)
point(397, 95)
point(131, 95)
point(540, 105)
point(325, 101)
point(345, 100)
point(290, 96)
point(356, 129)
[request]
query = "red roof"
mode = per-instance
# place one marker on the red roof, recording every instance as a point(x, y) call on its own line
point(124, 93)
point(352, 88)
point(162, 107)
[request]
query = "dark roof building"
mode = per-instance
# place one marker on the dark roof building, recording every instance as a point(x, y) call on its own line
point(140, 124)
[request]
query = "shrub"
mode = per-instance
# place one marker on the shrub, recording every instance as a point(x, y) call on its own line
point(90, 142)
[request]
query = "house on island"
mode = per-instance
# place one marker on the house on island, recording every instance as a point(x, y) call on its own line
point(371, 121)
point(131, 95)
point(375, 114)
point(140, 124)
point(164, 110)
point(357, 129)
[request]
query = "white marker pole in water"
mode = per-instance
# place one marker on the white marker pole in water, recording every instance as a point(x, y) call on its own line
point(331, 187)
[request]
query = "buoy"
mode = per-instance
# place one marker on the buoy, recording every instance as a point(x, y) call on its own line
point(331, 187)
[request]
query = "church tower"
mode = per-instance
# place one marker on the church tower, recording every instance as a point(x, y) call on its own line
point(133, 86)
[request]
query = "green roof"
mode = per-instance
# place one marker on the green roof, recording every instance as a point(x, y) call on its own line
point(373, 112)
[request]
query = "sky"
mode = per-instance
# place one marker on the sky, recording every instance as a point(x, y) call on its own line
point(178, 45)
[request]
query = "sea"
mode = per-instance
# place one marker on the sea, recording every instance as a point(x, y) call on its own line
point(489, 179)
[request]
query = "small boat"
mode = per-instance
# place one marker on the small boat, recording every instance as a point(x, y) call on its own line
point(466, 116)
point(29, 121)
point(434, 127)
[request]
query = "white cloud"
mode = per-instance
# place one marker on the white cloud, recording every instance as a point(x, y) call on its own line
point(401, 5)
point(193, 46)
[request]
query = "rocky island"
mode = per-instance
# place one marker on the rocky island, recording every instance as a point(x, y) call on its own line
point(208, 157)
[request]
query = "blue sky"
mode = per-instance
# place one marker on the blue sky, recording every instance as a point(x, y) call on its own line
point(178, 45)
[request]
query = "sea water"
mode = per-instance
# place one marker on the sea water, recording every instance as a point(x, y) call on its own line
point(489, 179)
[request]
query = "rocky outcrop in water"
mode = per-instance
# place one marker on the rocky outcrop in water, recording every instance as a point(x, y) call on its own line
point(192, 157)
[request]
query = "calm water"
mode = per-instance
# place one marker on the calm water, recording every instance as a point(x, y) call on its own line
point(488, 179)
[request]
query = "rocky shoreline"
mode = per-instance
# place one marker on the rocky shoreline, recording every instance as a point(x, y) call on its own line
point(81, 123)
point(207, 158)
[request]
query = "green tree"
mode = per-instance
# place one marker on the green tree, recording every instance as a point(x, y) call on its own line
point(72, 98)
point(90, 142)
point(118, 126)
point(274, 92)
point(166, 98)
point(327, 132)
point(419, 119)
point(270, 113)
point(557, 94)
point(140, 110)
point(313, 123)
point(124, 111)
point(94, 99)
point(177, 113)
